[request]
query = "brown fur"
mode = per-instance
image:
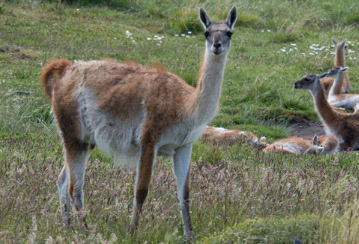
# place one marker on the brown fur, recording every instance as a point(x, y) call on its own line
point(223, 136)
point(338, 61)
point(49, 72)
point(282, 146)
point(303, 145)
point(133, 113)
point(329, 142)
point(342, 125)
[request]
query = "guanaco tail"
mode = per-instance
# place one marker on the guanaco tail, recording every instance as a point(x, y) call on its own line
point(344, 126)
point(134, 113)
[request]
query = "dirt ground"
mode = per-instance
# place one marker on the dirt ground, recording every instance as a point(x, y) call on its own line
point(305, 128)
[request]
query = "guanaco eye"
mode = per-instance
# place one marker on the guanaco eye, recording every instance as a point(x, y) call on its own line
point(206, 34)
point(229, 34)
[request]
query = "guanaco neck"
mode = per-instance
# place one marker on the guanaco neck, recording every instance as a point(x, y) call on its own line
point(339, 56)
point(325, 111)
point(336, 88)
point(204, 101)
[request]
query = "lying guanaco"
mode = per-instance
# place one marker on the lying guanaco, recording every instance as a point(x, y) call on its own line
point(134, 113)
point(340, 100)
point(343, 125)
point(218, 135)
point(326, 144)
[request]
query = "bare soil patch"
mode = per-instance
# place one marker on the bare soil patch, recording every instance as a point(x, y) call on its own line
point(305, 128)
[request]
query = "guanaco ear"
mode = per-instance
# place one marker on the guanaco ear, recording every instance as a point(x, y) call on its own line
point(320, 149)
point(297, 240)
point(315, 140)
point(204, 17)
point(344, 43)
point(334, 42)
point(232, 17)
point(344, 69)
point(323, 75)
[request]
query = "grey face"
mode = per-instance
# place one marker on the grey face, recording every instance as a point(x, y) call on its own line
point(218, 34)
point(308, 81)
point(336, 70)
point(218, 37)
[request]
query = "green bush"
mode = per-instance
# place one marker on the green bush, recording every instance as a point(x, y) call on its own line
point(273, 230)
point(185, 20)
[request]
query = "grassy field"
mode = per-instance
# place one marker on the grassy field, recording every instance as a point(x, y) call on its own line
point(237, 194)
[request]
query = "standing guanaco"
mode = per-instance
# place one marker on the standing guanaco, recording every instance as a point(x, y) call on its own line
point(134, 113)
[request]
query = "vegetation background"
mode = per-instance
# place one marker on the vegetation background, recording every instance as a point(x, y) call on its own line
point(237, 193)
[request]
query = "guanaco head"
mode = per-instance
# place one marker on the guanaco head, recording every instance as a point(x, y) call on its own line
point(218, 34)
point(336, 72)
point(315, 149)
point(341, 45)
point(309, 81)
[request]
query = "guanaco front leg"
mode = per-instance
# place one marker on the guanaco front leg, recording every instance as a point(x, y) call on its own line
point(182, 160)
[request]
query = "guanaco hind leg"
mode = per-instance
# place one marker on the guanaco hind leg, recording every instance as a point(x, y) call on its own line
point(71, 180)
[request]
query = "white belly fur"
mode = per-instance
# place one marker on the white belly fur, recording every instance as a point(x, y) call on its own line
point(118, 139)
point(121, 139)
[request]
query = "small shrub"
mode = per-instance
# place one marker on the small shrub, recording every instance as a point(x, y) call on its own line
point(327, 6)
point(273, 230)
point(352, 19)
point(286, 37)
point(248, 20)
point(185, 20)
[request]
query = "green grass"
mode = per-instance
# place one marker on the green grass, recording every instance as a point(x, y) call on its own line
point(237, 194)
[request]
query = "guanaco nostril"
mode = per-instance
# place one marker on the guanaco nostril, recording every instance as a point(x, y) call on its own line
point(217, 45)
